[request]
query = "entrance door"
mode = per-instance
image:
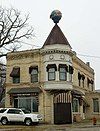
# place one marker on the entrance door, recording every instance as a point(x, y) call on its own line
point(62, 110)
point(62, 113)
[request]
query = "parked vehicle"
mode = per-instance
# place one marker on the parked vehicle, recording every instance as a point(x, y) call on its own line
point(18, 115)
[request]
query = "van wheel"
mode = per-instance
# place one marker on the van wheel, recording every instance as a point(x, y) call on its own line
point(28, 122)
point(4, 121)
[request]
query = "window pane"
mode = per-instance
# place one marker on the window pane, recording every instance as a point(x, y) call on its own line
point(62, 70)
point(28, 103)
point(75, 105)
point(52, 70)
point(70, 77)
point(34, 76)
point(34, 71)
point(51, 74)
point(17, 111)
point(2, 110)
point(25, 103)
point(62, 74)
point(16, 103)
point(35, 105)
point(95, 105)
point(11, 111)
point(16, 80)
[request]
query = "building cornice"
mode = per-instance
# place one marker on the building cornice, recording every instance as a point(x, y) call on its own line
point(22, 54)
point(50, 51)
point(82, 64)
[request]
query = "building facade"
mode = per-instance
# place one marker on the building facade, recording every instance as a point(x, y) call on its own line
point(2, 83)
point(53, 81)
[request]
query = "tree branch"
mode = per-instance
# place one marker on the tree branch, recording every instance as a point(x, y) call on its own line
point(13, 27)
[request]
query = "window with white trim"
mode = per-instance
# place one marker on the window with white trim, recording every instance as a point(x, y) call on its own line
point(63, 69)
point(51, 74)
point(51, 69)
point(62, 74)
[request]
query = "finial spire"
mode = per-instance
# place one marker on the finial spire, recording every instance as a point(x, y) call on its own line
point(56, 16)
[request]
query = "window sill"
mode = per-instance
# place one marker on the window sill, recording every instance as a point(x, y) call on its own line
point(96, 113)
point(16, 83)
point(74, 113)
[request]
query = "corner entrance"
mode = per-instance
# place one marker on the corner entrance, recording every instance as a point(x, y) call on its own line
point(62, 108)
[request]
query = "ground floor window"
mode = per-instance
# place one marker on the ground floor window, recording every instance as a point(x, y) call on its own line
point(28, 103)
point(75, 105)
point(96, 105)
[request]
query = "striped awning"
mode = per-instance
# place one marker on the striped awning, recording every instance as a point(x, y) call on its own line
point(77, 93)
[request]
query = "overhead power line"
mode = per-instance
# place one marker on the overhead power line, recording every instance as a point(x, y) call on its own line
point(89, 56)
point(30, 44)
point(92, 56)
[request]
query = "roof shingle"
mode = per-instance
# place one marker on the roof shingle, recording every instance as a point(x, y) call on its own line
point(56, 36)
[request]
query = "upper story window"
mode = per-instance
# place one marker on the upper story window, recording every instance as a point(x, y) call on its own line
point(92, 85)
point(95, 105)
point(51, 69)
point(63, 69)
point(79, 78)
point(15, 74)
point(83, 78)
point(33, 70)
point(71, 70)
point(88, 82)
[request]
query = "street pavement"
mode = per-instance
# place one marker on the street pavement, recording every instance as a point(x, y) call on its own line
point(82, 126)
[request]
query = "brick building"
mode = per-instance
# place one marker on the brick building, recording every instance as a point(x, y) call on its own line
point(53, 81)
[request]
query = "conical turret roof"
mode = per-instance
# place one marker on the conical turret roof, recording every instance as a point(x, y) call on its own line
point(56, 36)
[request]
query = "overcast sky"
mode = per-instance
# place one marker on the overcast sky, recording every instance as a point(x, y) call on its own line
point(80, 23)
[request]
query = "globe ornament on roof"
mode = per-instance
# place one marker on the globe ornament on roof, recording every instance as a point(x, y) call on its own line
point(56, 16)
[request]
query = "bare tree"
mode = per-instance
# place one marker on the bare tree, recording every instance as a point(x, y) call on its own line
point(13, 28)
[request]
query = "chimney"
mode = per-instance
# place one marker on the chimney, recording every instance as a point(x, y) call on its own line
point(88, 63)
point(74, 53)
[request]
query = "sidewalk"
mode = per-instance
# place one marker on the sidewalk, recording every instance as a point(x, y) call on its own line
point(85, 125)
point(82, 124)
